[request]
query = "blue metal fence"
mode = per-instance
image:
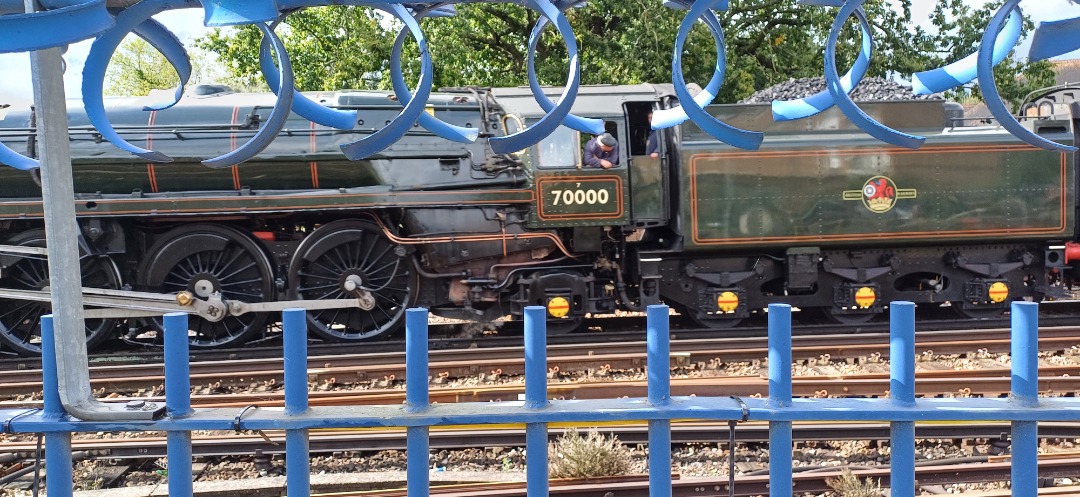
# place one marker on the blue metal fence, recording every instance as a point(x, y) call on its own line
point(1023, 408)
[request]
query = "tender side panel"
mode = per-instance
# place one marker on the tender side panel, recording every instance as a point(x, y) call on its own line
point(875, 195)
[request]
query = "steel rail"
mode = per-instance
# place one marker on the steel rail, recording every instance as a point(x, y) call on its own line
point(698, 353)
point(805, 482)
point(352, 441)
point(998, 384)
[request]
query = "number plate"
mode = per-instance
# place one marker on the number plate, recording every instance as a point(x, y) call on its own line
point(587, 197)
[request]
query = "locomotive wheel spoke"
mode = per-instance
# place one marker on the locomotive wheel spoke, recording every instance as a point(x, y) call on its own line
point(351, 249)
point(20, 320)
point(225, 258)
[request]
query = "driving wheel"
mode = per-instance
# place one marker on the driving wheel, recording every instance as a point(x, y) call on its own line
point(20, 320)
point(205, 259)
point(351, 259)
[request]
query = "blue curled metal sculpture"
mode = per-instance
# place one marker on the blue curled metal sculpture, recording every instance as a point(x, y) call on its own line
point(278, 114)
point(989, 86)
point(584, 125)
point(1055, 38)
point(741, 138)
point(410, 113)
point(666, 118)
point(66, 21)
point(557, 114)
point(965, 70)
point(169, 45)
point(441, 128)
point(302, 105)
point(789, 110)
point(839, 94)
point(97, 61)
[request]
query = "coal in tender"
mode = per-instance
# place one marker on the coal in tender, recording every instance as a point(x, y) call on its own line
point(869, 89)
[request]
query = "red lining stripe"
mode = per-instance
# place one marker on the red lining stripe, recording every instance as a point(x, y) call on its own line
point(150, 173)
point(313, 164)
point(232, 145)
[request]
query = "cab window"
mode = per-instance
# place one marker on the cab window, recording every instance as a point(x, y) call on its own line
point(559, 150)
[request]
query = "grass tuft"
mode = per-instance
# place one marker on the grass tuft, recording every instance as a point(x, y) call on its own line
point(593, 455)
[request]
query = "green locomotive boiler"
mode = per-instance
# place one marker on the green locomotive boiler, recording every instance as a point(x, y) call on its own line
point(822, 217)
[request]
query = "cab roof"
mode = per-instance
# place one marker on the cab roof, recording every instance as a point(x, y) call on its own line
point(603, 101)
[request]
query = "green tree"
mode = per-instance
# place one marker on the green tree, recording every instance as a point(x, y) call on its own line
point(330, 48)
point(960, 35)
point(137, 68)
point(620, 42)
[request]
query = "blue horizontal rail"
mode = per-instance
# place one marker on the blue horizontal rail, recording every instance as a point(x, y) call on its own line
point(1024, 408)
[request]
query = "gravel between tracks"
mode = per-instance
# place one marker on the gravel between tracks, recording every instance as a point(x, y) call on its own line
point(386, 469)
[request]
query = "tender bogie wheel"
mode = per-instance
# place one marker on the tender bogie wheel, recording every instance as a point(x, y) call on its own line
point(352, 259)
point(20, 320)
point(717, 323)
point(988, 312)
point(204, 259)
point(564, 326)
point(836, 316)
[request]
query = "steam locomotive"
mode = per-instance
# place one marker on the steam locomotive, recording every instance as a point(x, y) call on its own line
point(823, 217)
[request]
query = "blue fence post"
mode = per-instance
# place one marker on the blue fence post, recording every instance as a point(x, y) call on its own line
point(658, 340)
point(416, 400)
point(536, 434)
point(60, 482)
point(1025, 393)
point(780, 472)
point(297, 462)
point(178, 402)
point(902, 395)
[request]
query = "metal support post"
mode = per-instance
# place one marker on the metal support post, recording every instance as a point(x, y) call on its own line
point(60, 482)
point(178, 402)
point(61, 231)
point(1025, 393)
point(416, 400)
point(780, 472)
point(297, 462)
point(658, 341)
point(536, 434)
point(902, 395)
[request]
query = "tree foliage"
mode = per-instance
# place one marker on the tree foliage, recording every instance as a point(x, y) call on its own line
point(137, 68)
point(620, 42)
point(959, 36)
point(330, 48)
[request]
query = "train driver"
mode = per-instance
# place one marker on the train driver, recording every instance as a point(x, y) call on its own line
point(652, 144)
point(601, 151)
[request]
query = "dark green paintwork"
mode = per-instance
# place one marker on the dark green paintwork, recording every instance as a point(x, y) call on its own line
point(201, 128)
point(647, 189)
point(230, 204)
point(987, 191)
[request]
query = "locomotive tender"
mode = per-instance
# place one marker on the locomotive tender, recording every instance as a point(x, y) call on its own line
point(823, 217)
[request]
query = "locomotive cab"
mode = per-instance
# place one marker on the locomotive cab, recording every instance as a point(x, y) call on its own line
point(601, 214)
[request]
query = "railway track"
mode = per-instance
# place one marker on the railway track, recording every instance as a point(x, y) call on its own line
point(805, 482)
point(1064, 380)
point(349, 442)
point(601, 363)
point(384, 368)
point(611, 329)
